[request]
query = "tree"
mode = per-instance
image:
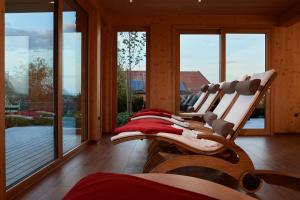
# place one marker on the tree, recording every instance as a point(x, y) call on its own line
point(131, 51)
point(121, 82)
point(40, 78)
point(9, 88)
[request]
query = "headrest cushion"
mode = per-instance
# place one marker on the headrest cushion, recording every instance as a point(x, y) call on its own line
point(204, 88)
point(229, 87)
point(213, 88)
point(248, 87)
point(209, 117)
point(222, 127)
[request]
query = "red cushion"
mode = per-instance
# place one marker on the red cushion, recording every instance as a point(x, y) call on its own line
point(152, 113)
point(148, 128)
point(156, 110)
point(149, 120)
point(106, 186)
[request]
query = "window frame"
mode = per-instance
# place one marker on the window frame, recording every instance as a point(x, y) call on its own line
point(268, 130)
point(176, 53)
point(114, 88)
point(60, 157)
point(178, 30)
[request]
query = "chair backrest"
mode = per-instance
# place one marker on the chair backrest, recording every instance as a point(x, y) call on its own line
point(200, 100)
point(244, 105)
point(226, 101)
point(209, 101)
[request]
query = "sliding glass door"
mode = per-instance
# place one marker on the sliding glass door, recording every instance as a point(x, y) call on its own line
point(210, 56)
point(131, 73)
point(246, 54)
point(74, 64)
point(29, 88)
point(32, 74)
point(199, 65)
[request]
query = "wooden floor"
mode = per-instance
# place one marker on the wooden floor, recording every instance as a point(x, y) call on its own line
point(276, 153)
point(29, 148)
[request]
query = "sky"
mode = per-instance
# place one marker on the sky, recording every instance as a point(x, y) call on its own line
point(29, 36)
point(245, 53)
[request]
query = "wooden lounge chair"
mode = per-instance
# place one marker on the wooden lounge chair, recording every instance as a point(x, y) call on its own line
point(225, 102)
point(202, 97)
point(214, 93)
point(208, 149)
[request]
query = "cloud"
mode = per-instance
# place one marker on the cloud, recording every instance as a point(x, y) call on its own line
point(37, 39)
point(69, 27)
point(231, 62)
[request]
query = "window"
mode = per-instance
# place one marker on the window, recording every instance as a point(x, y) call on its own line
point(29, 88)
point(199, 64)
point(74, 65)
point(31, 84)
point(246, 54)
point(131, 74)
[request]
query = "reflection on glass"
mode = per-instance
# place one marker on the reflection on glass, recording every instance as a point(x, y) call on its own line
point(74, 27)
point(131, 74)
point(29, 108)
point(246, 54)
point(199, 65)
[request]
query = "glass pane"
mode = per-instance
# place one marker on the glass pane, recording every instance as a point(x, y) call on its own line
point(74, 28)
point(246, 54)
point(199, 64)
point(29, 107)
point(131, 74)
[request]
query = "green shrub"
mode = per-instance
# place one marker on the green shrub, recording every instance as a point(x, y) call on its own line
point(123, 117)
point(20, 121)
point(138, 103)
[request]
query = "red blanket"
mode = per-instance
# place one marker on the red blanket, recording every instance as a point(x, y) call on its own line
point(156, 110)
point(149, 120)
point(106, 186)
point(139, 114)
point(148, 128)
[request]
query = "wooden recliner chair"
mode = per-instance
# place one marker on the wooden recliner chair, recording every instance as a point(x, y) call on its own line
point(207, 149)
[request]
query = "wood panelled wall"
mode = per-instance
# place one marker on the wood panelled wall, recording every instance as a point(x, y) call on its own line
point(94, 79)
point(285, 58)
point(161, 54)
point(286, 95)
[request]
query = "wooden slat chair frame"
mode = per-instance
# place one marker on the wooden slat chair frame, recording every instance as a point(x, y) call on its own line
point(242, 165)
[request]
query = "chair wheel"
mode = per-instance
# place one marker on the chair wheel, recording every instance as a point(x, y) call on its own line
point(250, 183)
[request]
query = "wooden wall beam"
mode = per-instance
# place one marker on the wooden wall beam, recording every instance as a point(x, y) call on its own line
point(94, 74)
point(2, 103)
point(109, 81)
point(290, 16)
point(94, 69)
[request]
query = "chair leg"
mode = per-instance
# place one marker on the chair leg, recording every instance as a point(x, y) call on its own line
point(153, 160)
point(153, 145)
point(278, 178)
point(161, 147)
point(236, 170)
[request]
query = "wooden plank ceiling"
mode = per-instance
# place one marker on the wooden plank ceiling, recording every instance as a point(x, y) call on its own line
point(235, 7)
